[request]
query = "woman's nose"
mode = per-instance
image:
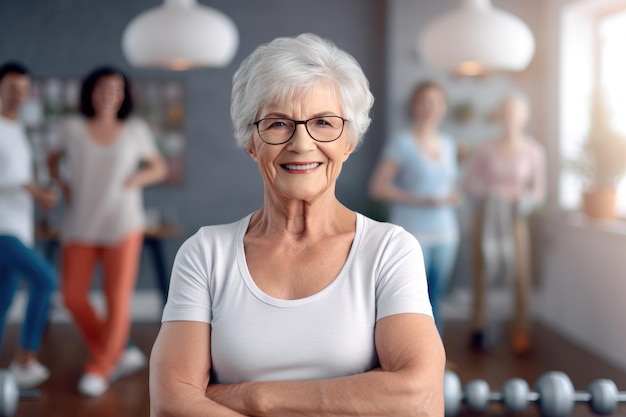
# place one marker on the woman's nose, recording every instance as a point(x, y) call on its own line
point(301, 139)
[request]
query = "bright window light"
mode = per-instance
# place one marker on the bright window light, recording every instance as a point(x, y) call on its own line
point(612, 78)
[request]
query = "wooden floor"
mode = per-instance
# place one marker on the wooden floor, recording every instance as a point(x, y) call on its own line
point(64, 353)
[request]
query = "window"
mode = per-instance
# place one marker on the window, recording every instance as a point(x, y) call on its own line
point(612, 78)
point(592, 59)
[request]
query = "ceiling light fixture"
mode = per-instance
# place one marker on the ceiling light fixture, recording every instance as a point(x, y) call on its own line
point(476, 38)
point(179, 35)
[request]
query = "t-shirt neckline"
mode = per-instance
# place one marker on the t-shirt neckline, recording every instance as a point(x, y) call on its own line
point(284, 303)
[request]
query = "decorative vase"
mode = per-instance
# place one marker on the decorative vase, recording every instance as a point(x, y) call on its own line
point(600, 203)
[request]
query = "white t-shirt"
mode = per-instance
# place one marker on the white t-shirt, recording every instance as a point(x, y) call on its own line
point(256, 337)
point(16, 204)
point(102, 210)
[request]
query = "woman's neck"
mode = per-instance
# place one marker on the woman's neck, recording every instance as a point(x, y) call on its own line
point(513, 137)
point(299, 219)
point(104, 119)
point(425, 131)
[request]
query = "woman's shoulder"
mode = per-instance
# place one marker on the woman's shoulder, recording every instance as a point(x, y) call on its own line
point(217, 234)
point(534, 146)
point(384, 232)
point(72, 122)
point(486, 148)
point(136, 122)
point(448, 140)
point(401, 136)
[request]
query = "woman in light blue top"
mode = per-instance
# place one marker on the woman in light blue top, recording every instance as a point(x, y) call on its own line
point(417, 175)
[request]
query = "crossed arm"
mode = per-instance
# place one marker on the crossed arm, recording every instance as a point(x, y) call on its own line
point(409, 381)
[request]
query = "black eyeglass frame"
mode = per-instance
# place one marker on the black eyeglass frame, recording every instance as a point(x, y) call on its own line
point(295, 126)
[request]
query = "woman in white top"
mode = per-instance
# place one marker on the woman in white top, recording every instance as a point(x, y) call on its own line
point(303, 307)
point(110, 158)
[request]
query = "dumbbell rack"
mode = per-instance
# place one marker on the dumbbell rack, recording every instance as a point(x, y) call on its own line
point(553, 394)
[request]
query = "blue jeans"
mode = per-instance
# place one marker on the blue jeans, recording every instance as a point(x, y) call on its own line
point(439, 262)
point(17, 260)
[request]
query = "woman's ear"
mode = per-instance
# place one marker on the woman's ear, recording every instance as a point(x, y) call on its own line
point(251, 149)
point(349, 149)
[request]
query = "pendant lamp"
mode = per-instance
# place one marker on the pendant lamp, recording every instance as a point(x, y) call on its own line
point(179, 35)
point(476, 38)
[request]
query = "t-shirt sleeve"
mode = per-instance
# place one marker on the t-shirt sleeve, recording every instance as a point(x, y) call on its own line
point(401, 285)
point(395, 150)
point(189, 296)
point(145, 141)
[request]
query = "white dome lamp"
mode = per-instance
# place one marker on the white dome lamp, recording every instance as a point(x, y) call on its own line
point(476, 38)
point(179, 35)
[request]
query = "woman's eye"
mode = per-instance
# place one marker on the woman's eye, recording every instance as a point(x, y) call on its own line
point(278, 124)
point(323, 123)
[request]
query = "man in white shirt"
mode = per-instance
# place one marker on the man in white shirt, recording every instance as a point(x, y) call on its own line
point(17, 257)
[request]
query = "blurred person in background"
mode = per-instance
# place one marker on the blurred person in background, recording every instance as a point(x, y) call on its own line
point(506, 180)
point(417, 176)
point(18, 258)
point(110, 157)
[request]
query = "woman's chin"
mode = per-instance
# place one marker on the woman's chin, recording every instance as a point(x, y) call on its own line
point(300, 194)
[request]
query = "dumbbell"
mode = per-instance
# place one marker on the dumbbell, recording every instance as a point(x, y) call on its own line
point(554, 394)
point(10, 394)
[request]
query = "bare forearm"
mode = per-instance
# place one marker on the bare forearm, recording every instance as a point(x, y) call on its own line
point(148, 177)
point(153, 173)
point(374, 393)
point(191, 407)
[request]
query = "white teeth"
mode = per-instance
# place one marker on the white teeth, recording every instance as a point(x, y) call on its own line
point(302, 167)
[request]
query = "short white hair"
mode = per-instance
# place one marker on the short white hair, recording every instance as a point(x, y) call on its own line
point(276, 71)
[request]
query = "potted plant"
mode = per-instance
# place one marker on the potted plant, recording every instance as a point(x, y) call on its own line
point(602, 162)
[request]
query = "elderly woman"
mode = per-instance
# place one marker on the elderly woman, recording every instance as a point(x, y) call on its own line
point(506, 178)
point(303, 307)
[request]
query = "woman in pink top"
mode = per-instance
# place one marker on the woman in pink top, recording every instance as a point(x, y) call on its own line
point(506, 177)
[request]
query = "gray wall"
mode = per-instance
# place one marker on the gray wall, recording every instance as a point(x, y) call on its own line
point(70, 37)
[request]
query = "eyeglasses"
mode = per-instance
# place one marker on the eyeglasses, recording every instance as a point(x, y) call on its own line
point(279, 130)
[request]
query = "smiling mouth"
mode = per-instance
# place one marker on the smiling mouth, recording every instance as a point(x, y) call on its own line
point(301, 167)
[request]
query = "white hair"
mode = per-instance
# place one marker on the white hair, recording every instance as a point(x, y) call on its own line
point(276, 71)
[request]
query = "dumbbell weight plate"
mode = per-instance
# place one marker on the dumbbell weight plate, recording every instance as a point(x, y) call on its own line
point(556, 394)
point(477, 394)
point(9, 393)
point(604, 395)
point(452, 393)
point(515, 395)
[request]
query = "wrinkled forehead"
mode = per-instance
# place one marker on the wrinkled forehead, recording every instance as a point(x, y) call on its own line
point(315, 97)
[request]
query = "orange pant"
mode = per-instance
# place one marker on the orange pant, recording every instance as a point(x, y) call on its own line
point(106, 336)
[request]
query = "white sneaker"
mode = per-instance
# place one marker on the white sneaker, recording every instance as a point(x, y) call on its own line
point(132, 360)
point(30, 374)
point(92, 385)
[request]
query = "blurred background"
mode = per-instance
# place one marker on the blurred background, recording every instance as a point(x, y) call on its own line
point(579, 49)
